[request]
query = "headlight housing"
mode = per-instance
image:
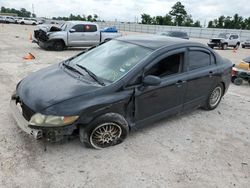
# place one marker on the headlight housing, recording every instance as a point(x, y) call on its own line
point(51, 121)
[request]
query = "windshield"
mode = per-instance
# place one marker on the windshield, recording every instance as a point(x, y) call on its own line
point(224, 35)
point(164, 33)
point(112, 60)
point(63, 26)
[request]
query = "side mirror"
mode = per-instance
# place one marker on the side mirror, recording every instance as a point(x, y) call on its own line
point(72, 30)
point(151, 80)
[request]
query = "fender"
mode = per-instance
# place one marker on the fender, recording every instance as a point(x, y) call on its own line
point(59, 35)
point(88, 108)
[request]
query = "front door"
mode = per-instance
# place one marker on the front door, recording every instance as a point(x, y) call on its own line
point(167, 98)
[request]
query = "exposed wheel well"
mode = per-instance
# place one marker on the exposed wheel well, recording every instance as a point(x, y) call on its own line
point(224, 87)
point(106, 40)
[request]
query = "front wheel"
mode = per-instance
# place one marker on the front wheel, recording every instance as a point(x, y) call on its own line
point(107, 130)
point(214, 97)
point(224, 46)
point(59, 45)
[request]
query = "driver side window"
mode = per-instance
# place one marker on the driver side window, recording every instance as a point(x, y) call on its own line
point(168, 66)
point(79, 28)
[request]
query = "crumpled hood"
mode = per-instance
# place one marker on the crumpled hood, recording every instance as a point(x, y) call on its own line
point(50, 86)
point(48, 28)
point(218, 39)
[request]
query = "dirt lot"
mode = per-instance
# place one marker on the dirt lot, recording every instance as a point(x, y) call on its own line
point(198, 149)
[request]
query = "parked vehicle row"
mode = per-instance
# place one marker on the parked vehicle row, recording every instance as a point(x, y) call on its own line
point(19, 20)
point(7, 19)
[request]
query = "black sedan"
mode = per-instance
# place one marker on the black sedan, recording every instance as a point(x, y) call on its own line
point(103, 93)
point(177, 34)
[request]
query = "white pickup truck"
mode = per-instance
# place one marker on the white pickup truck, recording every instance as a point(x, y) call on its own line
point(71, 34)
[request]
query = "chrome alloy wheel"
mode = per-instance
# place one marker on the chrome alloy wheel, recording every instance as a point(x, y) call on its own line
point(105, 135)
point(215, 96)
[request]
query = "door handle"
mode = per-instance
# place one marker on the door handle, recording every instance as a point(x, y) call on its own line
point(210, 74)
point(180, 82)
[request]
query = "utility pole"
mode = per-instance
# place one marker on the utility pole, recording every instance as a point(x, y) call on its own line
point(33, 9)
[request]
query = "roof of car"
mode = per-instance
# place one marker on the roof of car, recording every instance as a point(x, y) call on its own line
point(152, 41)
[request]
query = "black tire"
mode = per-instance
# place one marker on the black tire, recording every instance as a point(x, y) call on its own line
point(33, 23)
point(238, 81)
point(224, 46)
point(22, 23)
point(237, 46)
point(58, 45)
point(106, 40)
point(103, 129)
point(213, 103)
point(242, 46)
point(233, 78)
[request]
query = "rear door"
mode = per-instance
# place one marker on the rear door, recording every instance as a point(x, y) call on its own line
point(202, 76)
point(233, 39)
point(92, 35)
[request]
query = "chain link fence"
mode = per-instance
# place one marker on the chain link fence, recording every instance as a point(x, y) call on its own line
point(193, 32)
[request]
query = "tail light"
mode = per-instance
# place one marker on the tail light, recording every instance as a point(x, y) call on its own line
point(233, 71)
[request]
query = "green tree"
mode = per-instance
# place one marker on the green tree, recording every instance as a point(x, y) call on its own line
point(167, 20)
point(146, 19)
point(179, 13)
point(159, 20)
point(220, 23)
point(95, 18)
point(89, 18)
point(197, 24)
point(188, 21)
point(210, 24)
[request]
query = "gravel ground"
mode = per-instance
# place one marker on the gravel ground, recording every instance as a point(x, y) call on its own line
point(197, 149)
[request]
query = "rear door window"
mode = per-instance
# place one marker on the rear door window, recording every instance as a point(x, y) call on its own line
point(198, 59)
point(90, 28)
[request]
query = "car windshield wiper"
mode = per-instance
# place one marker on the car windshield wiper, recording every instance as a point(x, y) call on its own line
point(91, 74)
point(71, 68)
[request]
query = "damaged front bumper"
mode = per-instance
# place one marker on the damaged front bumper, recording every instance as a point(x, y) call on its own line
point(22, 122)
point(51, 134)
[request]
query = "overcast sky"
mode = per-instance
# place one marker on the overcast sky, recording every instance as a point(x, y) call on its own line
point(127, 10)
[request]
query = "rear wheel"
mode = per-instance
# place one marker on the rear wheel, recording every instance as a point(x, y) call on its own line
point(214, 97)
point(238, 81)
point(107, 130)
point(106, 40)
point(233, 78)
point(242, 46)
point(237, 46)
